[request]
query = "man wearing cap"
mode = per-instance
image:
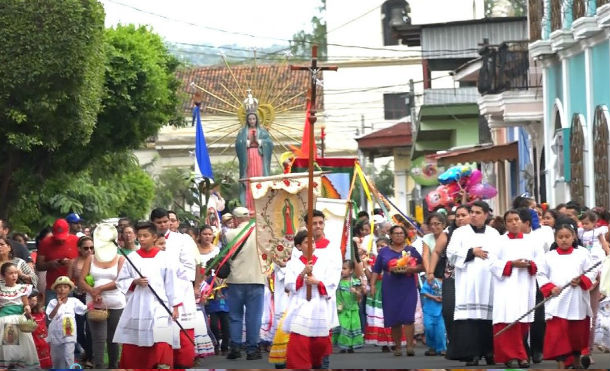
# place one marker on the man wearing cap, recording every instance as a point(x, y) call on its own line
point(76, 227)
point(246, 289)
point(179, 248)
point(55, 254)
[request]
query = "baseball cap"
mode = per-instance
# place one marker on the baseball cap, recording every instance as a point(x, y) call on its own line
point(61, 230)
point(241, 212)
point(73, 218)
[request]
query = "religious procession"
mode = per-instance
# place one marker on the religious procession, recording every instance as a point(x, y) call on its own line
point(335, 208)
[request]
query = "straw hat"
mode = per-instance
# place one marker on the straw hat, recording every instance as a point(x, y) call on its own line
point(63, 280)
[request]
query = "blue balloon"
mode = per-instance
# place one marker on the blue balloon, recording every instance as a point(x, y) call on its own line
point(454, 173)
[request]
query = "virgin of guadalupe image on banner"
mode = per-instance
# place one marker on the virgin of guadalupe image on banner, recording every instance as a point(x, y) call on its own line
point(280, 203)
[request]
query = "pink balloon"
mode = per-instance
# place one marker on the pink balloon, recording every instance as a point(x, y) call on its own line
point(475, 178)
point(483, 190)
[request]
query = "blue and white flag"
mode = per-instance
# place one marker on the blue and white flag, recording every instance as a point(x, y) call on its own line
point(203, 166)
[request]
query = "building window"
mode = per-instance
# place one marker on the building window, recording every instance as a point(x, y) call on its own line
point(577, 146)
point(396, 105)
point(600, 157)
point(393, 12)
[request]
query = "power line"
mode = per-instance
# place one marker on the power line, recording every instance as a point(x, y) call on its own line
point(354, 19)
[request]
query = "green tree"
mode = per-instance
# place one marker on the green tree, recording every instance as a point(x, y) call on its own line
point(384, 180)
point(516, 8)
point(140, 89)
point(51, 76)
point(112, 186)
point(302, 41)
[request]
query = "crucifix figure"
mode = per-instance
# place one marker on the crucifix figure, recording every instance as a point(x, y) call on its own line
point(313, 70)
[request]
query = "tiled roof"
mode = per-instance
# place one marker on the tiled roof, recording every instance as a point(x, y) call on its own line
point(397, 134)
point(266, 81)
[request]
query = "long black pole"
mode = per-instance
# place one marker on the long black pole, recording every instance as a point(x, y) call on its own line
point(171, 314)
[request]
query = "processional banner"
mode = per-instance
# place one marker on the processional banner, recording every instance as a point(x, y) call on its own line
point(280, 203)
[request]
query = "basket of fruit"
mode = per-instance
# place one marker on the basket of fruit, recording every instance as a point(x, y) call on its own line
point(27, 325)
point(400, 265)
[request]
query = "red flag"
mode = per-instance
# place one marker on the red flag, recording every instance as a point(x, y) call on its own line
point(304, 151)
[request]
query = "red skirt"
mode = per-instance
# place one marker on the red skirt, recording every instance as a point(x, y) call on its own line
point(509, 345)
point(565, 337)
point(185, 356)
point(133, 356)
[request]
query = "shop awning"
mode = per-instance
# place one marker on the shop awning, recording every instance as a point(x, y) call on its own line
point(478, 153)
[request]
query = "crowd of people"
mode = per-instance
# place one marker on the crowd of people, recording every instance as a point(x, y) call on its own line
point(464, 283)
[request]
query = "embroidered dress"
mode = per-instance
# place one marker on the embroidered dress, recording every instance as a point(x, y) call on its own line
point(204, 346)
point(17, 349)
point(376, 332)
point(277, 354)
point(349, 333)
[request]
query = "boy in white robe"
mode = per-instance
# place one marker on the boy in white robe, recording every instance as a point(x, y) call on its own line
point(468, 251)
point(309, 322)
point(513, 264)
point(568, 315)
point(183, 251)
point(145, 327)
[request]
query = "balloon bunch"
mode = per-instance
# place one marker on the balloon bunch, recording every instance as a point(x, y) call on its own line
point(459, 184)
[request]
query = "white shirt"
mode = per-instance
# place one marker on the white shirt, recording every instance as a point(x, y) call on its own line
point(62, 328)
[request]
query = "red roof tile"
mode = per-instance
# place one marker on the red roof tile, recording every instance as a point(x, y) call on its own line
point(266, 82)
point(398, 135)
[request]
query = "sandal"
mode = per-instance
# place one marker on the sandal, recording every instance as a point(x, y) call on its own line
point(430, 352)
point(410, 352)
point(397, 352)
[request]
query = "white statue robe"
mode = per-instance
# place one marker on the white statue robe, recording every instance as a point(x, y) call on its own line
point(514, 288)
point(473, 279)
point(144, 321)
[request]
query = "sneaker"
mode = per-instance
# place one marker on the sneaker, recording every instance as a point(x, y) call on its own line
point(234, 354)
point(254, 355)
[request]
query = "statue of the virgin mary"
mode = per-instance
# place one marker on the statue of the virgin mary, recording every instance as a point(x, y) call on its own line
point(254, 149)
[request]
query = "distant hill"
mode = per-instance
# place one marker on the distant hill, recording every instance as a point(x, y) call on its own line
point(201, 55)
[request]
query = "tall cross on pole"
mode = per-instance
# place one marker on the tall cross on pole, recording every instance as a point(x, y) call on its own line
point(313, 70)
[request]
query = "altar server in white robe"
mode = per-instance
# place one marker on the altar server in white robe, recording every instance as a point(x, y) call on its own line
point(183, 251)
point(309, 321)
point(468, 251)
point(568, 315)
point(145, 328)
point(513, 265)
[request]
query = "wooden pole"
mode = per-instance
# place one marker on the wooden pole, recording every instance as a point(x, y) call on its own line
point(313, 69)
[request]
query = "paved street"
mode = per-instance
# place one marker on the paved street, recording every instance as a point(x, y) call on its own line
point(371, 357)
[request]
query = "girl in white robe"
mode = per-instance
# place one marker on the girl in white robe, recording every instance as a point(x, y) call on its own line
point(568, 315)
point(513, 265)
